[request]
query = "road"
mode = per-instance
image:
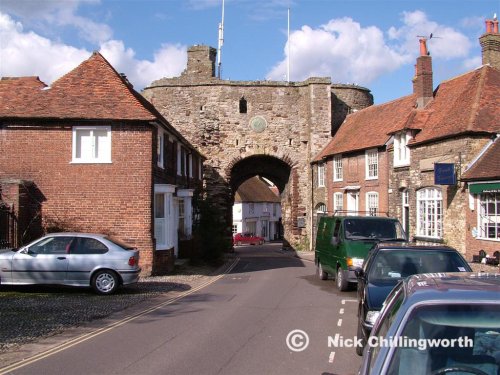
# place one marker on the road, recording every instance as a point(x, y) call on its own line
point(236, 325)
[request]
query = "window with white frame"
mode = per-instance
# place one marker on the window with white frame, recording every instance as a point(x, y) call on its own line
point(321, 175)
point(337, 168)
point(234, 229)
point(338, 201)
point(371, 162)
point(91, 144)
point(371, 203)
point(161, 148)
point(179, 159)
point(401, 150)
point(321, 208)
point(430, 213)
point(489, 216)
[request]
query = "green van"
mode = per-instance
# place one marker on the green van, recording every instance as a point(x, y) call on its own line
point(342, 243)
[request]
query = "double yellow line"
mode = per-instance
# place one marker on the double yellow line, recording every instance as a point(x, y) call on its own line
point(100, 331)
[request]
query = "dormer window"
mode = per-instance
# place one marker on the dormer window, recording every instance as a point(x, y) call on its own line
point(401, 150)
point(243, 105)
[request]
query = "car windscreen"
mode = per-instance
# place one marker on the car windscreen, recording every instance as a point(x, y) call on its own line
point(460, 335)
point(373, 229)
point(390, 264)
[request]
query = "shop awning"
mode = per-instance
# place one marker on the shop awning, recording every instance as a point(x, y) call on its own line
point(486, 187)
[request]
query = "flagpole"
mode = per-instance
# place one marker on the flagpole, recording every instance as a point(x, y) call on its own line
point(221, 42)
point(288, 53)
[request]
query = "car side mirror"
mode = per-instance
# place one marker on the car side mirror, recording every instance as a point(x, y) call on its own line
point(359, 272)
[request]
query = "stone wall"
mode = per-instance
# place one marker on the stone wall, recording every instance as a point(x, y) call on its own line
point(420, 174)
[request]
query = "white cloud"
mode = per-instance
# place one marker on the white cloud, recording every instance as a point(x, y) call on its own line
point(46, 15)
point(347, 52)
point(25, 53)
point(341, 49)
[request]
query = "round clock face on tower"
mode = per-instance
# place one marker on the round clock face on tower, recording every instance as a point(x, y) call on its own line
point(258, 124)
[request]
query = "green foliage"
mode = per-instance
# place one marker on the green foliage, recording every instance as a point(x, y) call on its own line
point(209, 232)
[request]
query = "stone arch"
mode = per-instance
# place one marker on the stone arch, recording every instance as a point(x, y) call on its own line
point(276, 169)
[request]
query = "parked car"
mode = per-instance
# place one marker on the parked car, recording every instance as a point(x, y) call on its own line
point(458, 311)
point(342, 243)
point(75, 259)
point(247, 238)
point(387, 264)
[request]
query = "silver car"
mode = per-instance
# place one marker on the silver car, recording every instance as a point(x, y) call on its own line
point(75, 259)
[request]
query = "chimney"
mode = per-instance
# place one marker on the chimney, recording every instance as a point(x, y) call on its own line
point(201, 62)
point(422, 82)
point(490, 44)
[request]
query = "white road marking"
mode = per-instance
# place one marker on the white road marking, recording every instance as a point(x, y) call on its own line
point(341, 311)
point(339, 323)
point(332, 357)
point(348, 300)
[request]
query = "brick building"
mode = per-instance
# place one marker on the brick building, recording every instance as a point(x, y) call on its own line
point(419, 139)
point(89, 153)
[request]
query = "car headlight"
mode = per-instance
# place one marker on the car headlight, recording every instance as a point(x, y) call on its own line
point(371, 316)
point(355, 262)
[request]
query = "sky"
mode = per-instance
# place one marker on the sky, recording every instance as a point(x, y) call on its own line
point(371, 43)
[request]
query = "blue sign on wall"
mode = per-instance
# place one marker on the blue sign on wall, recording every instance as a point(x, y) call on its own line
point(444, 174)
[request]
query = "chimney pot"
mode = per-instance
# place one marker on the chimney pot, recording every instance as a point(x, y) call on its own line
point(489, 25)
point(423, 47)
point(495, 26)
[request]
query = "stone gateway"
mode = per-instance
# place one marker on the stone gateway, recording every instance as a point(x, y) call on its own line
point(247, 128)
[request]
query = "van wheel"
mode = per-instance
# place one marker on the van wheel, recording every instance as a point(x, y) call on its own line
point(341, 281)
point(321, 273)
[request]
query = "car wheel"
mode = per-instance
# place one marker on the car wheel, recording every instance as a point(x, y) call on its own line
point(105, 282)
point(340, 280)
point(359, 348)
point(321, 273)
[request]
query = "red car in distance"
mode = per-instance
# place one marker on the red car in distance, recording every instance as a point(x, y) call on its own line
point(247, 238)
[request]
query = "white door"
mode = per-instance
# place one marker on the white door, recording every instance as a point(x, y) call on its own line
point(353, 202)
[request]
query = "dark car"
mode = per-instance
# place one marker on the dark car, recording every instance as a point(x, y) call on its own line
point(76, 259)
point(386, 264)
point(247, 238)
point(438, 324)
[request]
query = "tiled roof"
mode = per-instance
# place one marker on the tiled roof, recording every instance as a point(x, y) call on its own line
point(466, 104)
point(255, 190)
point(469, 103)
point(93, 90)
point(370, 127)
point(487, 167)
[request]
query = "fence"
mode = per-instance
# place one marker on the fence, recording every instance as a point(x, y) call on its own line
point(8, 227)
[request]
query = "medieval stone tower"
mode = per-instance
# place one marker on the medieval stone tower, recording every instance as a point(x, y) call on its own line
point(247, 128)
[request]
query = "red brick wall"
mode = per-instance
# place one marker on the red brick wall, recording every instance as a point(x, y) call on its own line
point(354, 174)
point(105, 198)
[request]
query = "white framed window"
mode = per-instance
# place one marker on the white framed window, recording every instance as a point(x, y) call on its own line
point(161, 149)
point(91, 144)
point(371, 162)
point(179, 159)
point(430, 213)
point(372, 203)
point(401, 150)
point(338, 201)
point(489, 216)
point(321, 208)
point(337, 168)
point(234, 228)
point(321, 175)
